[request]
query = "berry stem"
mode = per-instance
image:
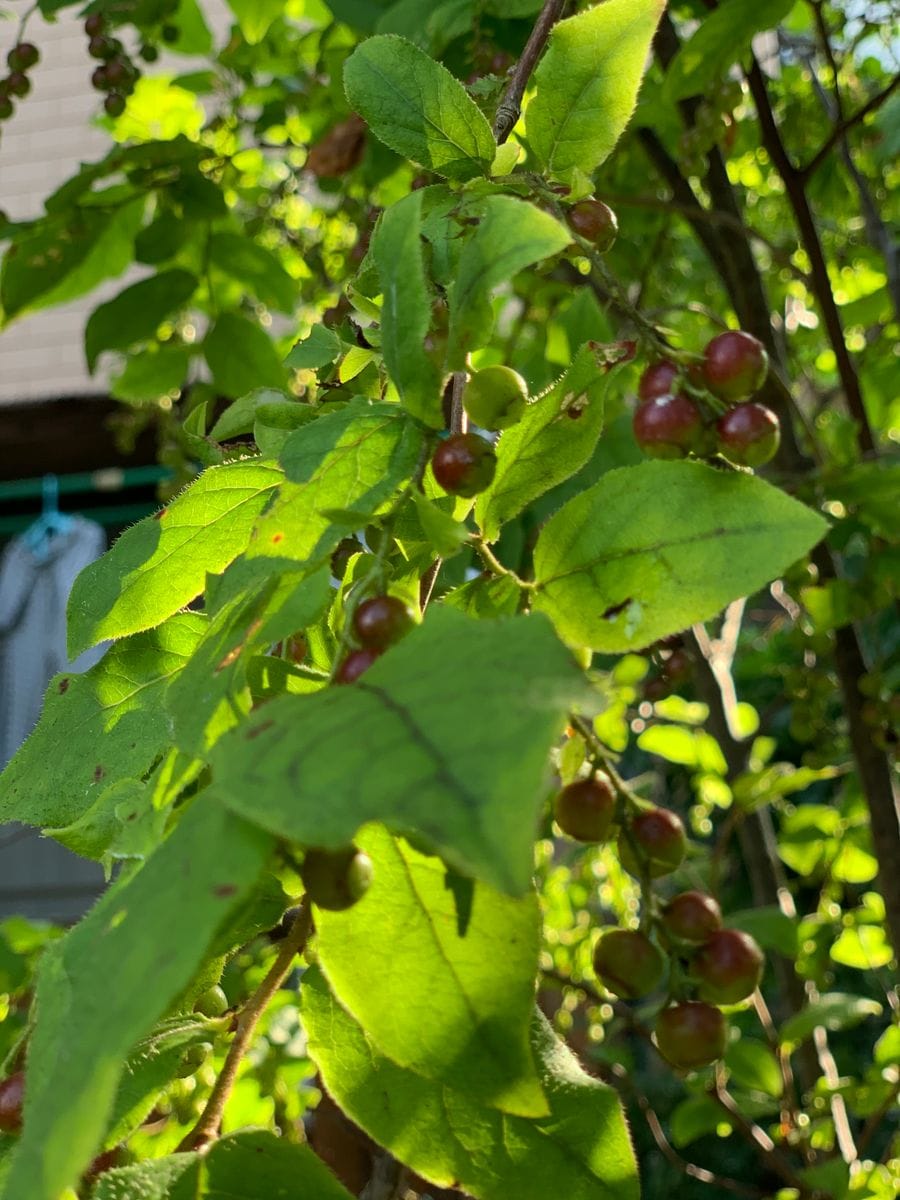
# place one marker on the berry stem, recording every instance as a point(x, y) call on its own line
point(496, 566)
point(207, 1128)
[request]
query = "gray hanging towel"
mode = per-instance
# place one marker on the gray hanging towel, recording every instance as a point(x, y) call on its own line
point(34, 590)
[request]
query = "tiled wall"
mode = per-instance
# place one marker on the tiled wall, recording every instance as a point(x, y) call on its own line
point(42, 356)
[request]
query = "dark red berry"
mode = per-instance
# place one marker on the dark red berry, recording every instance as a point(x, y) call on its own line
point(118, 72)
point(655, 840)
point(595, 222)
point(355, 664)
point(114, 104)
point(735, 365)
point(668, 426)
point(464, 464)
point(18, 83)
point(99, 80)
point(659, 379)
point(749, 434)
point(585, 809)
point(728, 967)
point(12, 1094)
point(382, 620)
point(100, 47)
point(336, 879)
point(94, 24)
point(628, 963)
point(691, 1035)
point(23, 57)
point(692, 916)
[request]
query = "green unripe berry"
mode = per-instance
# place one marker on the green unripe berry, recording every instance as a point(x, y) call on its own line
point(495, 397)
point(628, 964)
point(212, 1003)
point(336, 879)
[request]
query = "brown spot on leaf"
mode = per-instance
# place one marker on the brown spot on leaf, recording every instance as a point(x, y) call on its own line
point(225, 889)
point(261, 728)
point(276, 538)
point(158, 516)
point(98, 773)
point(64, 686)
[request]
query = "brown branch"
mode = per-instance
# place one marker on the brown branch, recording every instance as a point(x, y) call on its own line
point(207, 1128)
point(510, 107)
point(840, 131)
point(809, 236)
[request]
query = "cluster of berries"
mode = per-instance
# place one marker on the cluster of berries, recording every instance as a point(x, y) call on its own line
point(20, 60)
point(376, 623)
point(116, 74)
point(711, 965)
point(680, 410)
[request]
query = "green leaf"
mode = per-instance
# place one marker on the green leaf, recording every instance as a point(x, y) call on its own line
point(134, 936)
point(109, 719)
point(833, 1011)
point(417, 108)
point(587, 83)
point(242, 356)
point(724, 38)
point(864, 947)
point(134, 315)
point(581, 1151)
point(773, 929)
point(456, 1003)
point(431, 741)
point(239, 417)
point(356, 458)
point(553, 441)
point(649, 550)
point(510, 235)
point(320, 349)
point(253, 265)
point(248, 1165)
point(67, 255)
point(160, 564)
point(753, 1065)
point(152, 373)
point(445, 534)
point(122, 823)
point(272, 602)
point(255, 16)
point(406, 310)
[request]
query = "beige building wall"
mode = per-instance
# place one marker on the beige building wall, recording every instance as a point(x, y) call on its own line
point(42, 355)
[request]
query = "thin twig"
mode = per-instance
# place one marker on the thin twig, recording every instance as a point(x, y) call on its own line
point(510, 107)
point(790, 1109)
point(841, 130)
point(621, 1081)
point(207, 1128)
point(756, 1136)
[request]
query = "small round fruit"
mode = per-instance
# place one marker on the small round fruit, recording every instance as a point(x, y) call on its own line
point(749, 434)
point(655, 838)
point(728, 967)
point(356, 663)
point(193, 1059)
point(149, 53)
point(18, 83)
point(118, 72)
point(659, 379)
point(12, 1094)
point(735, 365)
point(114, 104)
point(691, 1035)
point(94, 24)
point(100, 47)
point(585, 809)
point(628, 964)
point(99, 80)
point(212, 1003)
point(7, 108)
point(170, 34)
point(495, 397)
point(464, 464)
point(336, 879)
point(23, 57)
point(692, 916)
point(595, 222)
point(668, 426)
point(382, 620)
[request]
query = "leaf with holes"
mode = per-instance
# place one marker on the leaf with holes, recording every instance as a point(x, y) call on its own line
point(651, 549)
